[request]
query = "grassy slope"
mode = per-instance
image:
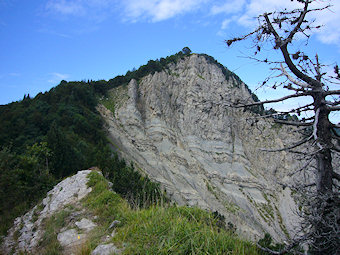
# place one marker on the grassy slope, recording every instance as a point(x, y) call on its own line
point(160, 229)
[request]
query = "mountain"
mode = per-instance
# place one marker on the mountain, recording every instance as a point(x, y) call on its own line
point(173, 120)
point(178, 127)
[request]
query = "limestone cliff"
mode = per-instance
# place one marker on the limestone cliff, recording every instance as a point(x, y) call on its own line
point(178, 128)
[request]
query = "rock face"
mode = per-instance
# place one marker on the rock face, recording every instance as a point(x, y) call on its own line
point(28, 228)
point(105, 249)
point(177, 126)
point(28, 231)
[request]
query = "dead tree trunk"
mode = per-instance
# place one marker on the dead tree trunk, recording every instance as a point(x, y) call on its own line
point(305, 78)
point(323, 145)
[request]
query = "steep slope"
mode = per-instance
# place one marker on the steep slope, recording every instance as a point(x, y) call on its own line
point(82, 215)
point(177, 126)
point(31, 232)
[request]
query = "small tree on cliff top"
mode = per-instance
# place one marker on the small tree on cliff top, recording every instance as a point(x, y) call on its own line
point(304, 76)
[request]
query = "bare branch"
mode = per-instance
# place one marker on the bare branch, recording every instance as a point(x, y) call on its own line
point(332, 103)
point(332, 92)
point(315, 130)
point(274, 100)
point(229, 42)
point(299, 83)
point(278, 40)
point(286, 248)
point(290, 147)
point(293, 123)
point(334, 108)
point(298, 25)
point(306, 164)
point(317, 68)
point(312, 82)
point(271, 251)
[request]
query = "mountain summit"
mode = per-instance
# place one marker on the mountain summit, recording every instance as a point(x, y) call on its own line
point(178, 127)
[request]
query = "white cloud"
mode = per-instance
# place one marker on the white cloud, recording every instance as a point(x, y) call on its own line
point(79, 7)
point(158, 10)
point(253, 8)
point(57, 77)
point(230, 6)
point(226, 23)
point(330, 33)
point(133, 10)
point(64, 7)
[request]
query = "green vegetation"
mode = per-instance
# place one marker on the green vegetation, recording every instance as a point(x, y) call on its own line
point(211, 189)
point(265, 210)
point(150, 68)
point(20, 174)
point(232, 208)
point(43, 140)
point(115, 98)
point(49, 137)
point(166, 229)
point(200, 76)
point(227, 73)
point(52, 226)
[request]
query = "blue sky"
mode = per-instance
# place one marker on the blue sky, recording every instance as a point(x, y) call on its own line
point(46, 41)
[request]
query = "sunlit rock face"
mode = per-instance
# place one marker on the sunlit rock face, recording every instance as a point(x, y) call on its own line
point(177, 126)
point(28, 230)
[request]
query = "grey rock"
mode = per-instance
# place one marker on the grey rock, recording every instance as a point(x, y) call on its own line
point(85, 224)
point(70, 237)
point(114, 224)
point(105, 249)
point(113, 233)
point(176, 125)
point(69, 191)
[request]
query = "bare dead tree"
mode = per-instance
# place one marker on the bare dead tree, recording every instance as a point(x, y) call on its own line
point(304, 76)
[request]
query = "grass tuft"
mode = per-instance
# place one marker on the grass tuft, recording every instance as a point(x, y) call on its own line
point(168, 229)
point(49, 244)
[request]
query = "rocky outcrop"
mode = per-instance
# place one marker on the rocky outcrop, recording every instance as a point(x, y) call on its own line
point(105, 249)
point(178, 128)
point(28, 231)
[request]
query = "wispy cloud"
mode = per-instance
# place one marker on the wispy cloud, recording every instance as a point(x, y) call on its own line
point(14, 74)
point(229, 6)
point(241, 12)
point(52, 32)
point(57, 77)
point(131, 10)
point(80, 8)
point(73, 7)
point(158, 10)
point(330, 33)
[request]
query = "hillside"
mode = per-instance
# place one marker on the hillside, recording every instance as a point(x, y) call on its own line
point(81, 215)
point(171, 118)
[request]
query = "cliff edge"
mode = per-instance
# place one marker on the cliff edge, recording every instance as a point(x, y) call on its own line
point(177, 126)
